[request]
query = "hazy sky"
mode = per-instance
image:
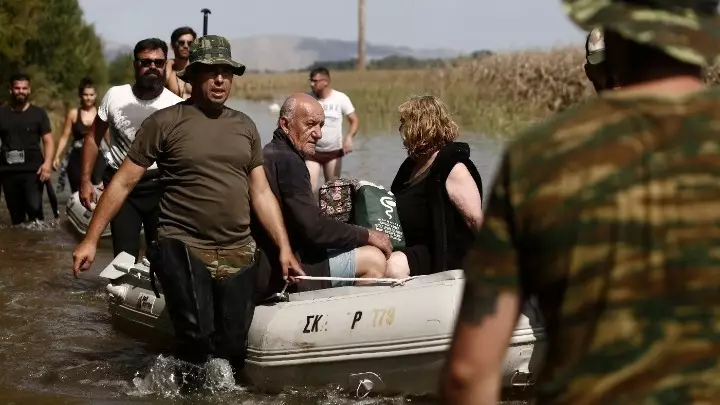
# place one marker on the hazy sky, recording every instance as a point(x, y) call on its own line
point(464, 25)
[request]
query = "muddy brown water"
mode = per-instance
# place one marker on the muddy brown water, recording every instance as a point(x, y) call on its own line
point(57, 345)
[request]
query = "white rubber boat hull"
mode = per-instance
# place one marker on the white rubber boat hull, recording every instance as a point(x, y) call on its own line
point(385, 339)
point(79, 216)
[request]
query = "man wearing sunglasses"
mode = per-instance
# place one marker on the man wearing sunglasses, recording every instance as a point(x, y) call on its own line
point(180, 41)
point(121, 112)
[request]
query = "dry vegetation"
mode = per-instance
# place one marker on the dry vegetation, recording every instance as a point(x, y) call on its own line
point(500, 94)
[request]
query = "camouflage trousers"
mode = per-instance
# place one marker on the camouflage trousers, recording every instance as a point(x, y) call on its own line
point(223, 263)
point(210, 296)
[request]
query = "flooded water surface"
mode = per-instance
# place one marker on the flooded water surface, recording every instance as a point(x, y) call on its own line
point(56, 341)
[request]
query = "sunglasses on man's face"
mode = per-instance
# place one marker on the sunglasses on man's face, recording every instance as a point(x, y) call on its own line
point(147, 62)
point(188, 42)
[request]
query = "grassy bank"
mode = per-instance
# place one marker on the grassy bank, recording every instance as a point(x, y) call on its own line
point(498, 95)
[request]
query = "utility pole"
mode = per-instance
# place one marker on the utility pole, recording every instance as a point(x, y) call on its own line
point(205, 12)
point(361, 35)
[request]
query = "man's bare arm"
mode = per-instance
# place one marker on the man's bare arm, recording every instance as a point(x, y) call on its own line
point(91, 147)
point(267, 208)
point(113, 198)
point(354, 124)
point(473, 374)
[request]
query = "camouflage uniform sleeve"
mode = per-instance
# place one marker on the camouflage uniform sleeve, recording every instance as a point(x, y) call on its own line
point(492, 265)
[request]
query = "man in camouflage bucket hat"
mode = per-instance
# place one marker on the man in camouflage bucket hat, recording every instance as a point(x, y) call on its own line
point(212, 50)
point(608, 215)
point(211, 167)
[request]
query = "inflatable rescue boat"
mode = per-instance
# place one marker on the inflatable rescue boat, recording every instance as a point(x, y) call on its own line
point(79, 216)
point(390, 339)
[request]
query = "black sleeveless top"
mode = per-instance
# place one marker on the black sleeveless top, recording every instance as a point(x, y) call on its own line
point(414, 211)
point(436, 235)
point(79, 128)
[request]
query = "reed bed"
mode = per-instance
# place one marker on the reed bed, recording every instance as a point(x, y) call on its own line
point(497, 95)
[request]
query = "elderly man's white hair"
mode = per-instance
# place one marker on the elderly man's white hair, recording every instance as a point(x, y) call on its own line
point(287, 110)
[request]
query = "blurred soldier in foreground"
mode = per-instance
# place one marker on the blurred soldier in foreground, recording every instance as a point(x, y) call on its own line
point(608, 215)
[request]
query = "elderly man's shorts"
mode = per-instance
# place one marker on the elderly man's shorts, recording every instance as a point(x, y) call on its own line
point(342, 264)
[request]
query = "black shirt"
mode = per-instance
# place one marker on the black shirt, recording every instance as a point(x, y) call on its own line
point(311, 233)
point(21, 133)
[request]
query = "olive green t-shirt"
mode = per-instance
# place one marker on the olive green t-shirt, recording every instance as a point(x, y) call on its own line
point(205, 164)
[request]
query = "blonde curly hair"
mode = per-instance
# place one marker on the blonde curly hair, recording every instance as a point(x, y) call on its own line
point(426, 125)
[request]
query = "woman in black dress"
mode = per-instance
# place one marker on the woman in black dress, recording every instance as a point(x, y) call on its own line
point(77, 123)
point(438, 192)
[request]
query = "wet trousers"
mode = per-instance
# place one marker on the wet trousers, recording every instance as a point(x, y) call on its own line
point(74, 170)
point(23, 196)
point(211, 317)
point(138, 212)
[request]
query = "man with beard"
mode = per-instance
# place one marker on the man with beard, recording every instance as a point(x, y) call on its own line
point(121, 112)
point(180, 41)
point(24, 165)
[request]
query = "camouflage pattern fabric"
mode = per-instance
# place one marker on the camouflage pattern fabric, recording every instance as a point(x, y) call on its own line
point(223, 263)
point(688, 30)
point(610, 215)
point(212, 50)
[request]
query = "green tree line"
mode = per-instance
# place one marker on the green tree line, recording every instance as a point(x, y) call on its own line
point(395, 62)
point(50, 41)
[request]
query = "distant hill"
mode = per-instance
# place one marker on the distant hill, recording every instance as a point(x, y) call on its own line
point(112, 50)
point(285, 52)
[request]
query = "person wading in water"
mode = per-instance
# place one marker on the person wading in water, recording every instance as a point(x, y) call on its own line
point(211, 165)
point(24, 165)
point(78, 123)
point(331, 147)
point(121, 111)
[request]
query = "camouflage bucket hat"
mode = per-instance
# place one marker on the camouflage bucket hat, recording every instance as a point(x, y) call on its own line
point(688, 30)
point(212, 50)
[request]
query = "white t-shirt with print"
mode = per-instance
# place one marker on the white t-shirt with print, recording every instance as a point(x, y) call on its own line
point(336, 106)
point(124, 114)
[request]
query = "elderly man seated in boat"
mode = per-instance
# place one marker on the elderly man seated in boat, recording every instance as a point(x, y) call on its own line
point(325, 247)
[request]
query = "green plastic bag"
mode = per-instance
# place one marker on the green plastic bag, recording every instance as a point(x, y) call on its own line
point(375, 208)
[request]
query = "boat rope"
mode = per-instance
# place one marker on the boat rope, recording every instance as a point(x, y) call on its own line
point(393, 281)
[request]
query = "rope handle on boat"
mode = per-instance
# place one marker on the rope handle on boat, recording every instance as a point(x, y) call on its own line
point(392, 281)
point(283, 296)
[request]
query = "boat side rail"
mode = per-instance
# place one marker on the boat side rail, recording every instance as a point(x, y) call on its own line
point(124, 265)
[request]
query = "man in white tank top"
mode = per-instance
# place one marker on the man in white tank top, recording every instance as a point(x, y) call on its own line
point(122, 111)
point(331, 147)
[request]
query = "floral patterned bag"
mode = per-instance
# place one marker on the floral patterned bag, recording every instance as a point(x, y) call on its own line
point(336, 199)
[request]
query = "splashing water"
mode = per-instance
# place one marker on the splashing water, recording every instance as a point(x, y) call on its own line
point(162, 377)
